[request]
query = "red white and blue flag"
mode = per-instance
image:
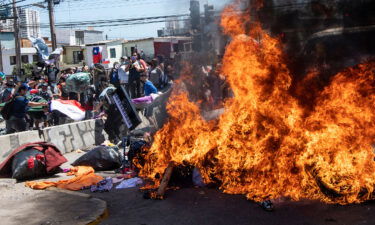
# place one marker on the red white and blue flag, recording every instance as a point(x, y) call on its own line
point(106, 61)
point(97, 55)
point(71, 108)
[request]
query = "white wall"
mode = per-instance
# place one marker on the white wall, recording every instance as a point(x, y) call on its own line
point(92, 37)
point(146, 45)
point(65, 36)
point(8, 69)
point(67, 138)
point(119, 53)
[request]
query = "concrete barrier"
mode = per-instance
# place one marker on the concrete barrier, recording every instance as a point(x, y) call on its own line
point(67, 137)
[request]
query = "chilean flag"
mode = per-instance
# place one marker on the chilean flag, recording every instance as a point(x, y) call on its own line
point(106, 61)
point(71, 108)
point(97, 54)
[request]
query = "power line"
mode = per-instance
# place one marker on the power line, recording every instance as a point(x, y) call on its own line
point(96, 22)
point(110, 24)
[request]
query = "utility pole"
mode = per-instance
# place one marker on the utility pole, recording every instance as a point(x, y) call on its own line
point(196, 25)
point(52, 23)
point(1, 58)
point(17, 40)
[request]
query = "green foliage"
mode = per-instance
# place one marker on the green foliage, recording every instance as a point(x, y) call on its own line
point(27, 69)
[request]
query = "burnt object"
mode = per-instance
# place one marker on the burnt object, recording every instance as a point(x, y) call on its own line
point(120, 109)
point(121, 102)
point(159, 193)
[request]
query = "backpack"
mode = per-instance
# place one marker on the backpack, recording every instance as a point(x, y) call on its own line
point(6, 112)
point(5, 96)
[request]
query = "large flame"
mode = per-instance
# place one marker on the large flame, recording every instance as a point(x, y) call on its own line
point(264, 145)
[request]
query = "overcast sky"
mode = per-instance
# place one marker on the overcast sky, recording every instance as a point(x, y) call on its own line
point(83, 10)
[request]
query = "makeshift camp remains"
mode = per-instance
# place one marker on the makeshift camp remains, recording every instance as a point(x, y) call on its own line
point(32, 160)
point(84, 177)
point(28, 164)
point(101, 158)
point(78, 82)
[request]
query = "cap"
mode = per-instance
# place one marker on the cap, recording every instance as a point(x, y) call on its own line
point(34, 91)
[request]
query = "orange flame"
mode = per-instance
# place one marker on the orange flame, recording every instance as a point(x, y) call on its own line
point(263, 145)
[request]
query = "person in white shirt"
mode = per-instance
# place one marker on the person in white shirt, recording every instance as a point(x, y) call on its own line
point(123, 73)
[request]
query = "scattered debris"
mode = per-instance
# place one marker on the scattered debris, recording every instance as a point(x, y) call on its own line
point(84, 177)
point(267, 205)
point(130, 183)
point(100, 158)
point(103, 186)
point(79, 151)
point(32, 160)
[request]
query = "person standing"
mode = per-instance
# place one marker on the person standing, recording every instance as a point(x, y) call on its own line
point(114, 76)
point(135, 71)
point(51, 72)
point(7, 93)
point(123, 73)
point(155, 74)
point(17, 121)
point(87, 99)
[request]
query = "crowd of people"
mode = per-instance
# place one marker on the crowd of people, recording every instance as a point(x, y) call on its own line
point(138, 75)
point(31, 97)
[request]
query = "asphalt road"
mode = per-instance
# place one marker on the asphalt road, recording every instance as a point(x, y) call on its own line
point(192, 206)
point(196, 206)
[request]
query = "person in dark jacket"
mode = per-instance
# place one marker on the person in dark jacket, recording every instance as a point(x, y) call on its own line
point(17, 121)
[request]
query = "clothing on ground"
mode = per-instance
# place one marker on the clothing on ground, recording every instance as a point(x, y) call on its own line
point(130, 183)
point(84, 177)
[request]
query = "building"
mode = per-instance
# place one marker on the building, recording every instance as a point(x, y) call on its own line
point(73, 55)
point(29, 23)
point(165, 46)
point(28, 55)
point(66, 37)
point(111, 50)
point(7, 40)
point(6, 26)
point(175, 26)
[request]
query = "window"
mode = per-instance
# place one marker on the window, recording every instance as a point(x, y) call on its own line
point(187, 47)
point(13, 60)
point(35, 58)
point(25, 59)
point(77, 57)
point(112, 52)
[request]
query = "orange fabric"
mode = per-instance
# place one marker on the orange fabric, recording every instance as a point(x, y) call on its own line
point(84, 176)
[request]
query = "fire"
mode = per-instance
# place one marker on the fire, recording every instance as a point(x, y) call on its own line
point(265, 146)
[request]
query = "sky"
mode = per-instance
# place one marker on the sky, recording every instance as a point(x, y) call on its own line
point(84, 10)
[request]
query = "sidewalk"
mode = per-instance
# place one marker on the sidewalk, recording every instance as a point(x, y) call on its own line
point(20, 205)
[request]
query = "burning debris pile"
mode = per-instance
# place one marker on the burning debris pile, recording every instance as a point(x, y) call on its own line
point(267, 145)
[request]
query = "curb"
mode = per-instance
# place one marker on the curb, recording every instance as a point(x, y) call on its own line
point(100, 214)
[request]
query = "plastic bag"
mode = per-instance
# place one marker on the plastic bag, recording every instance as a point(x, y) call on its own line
point(100, 158)
point(28, 164)
point(78, 82)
